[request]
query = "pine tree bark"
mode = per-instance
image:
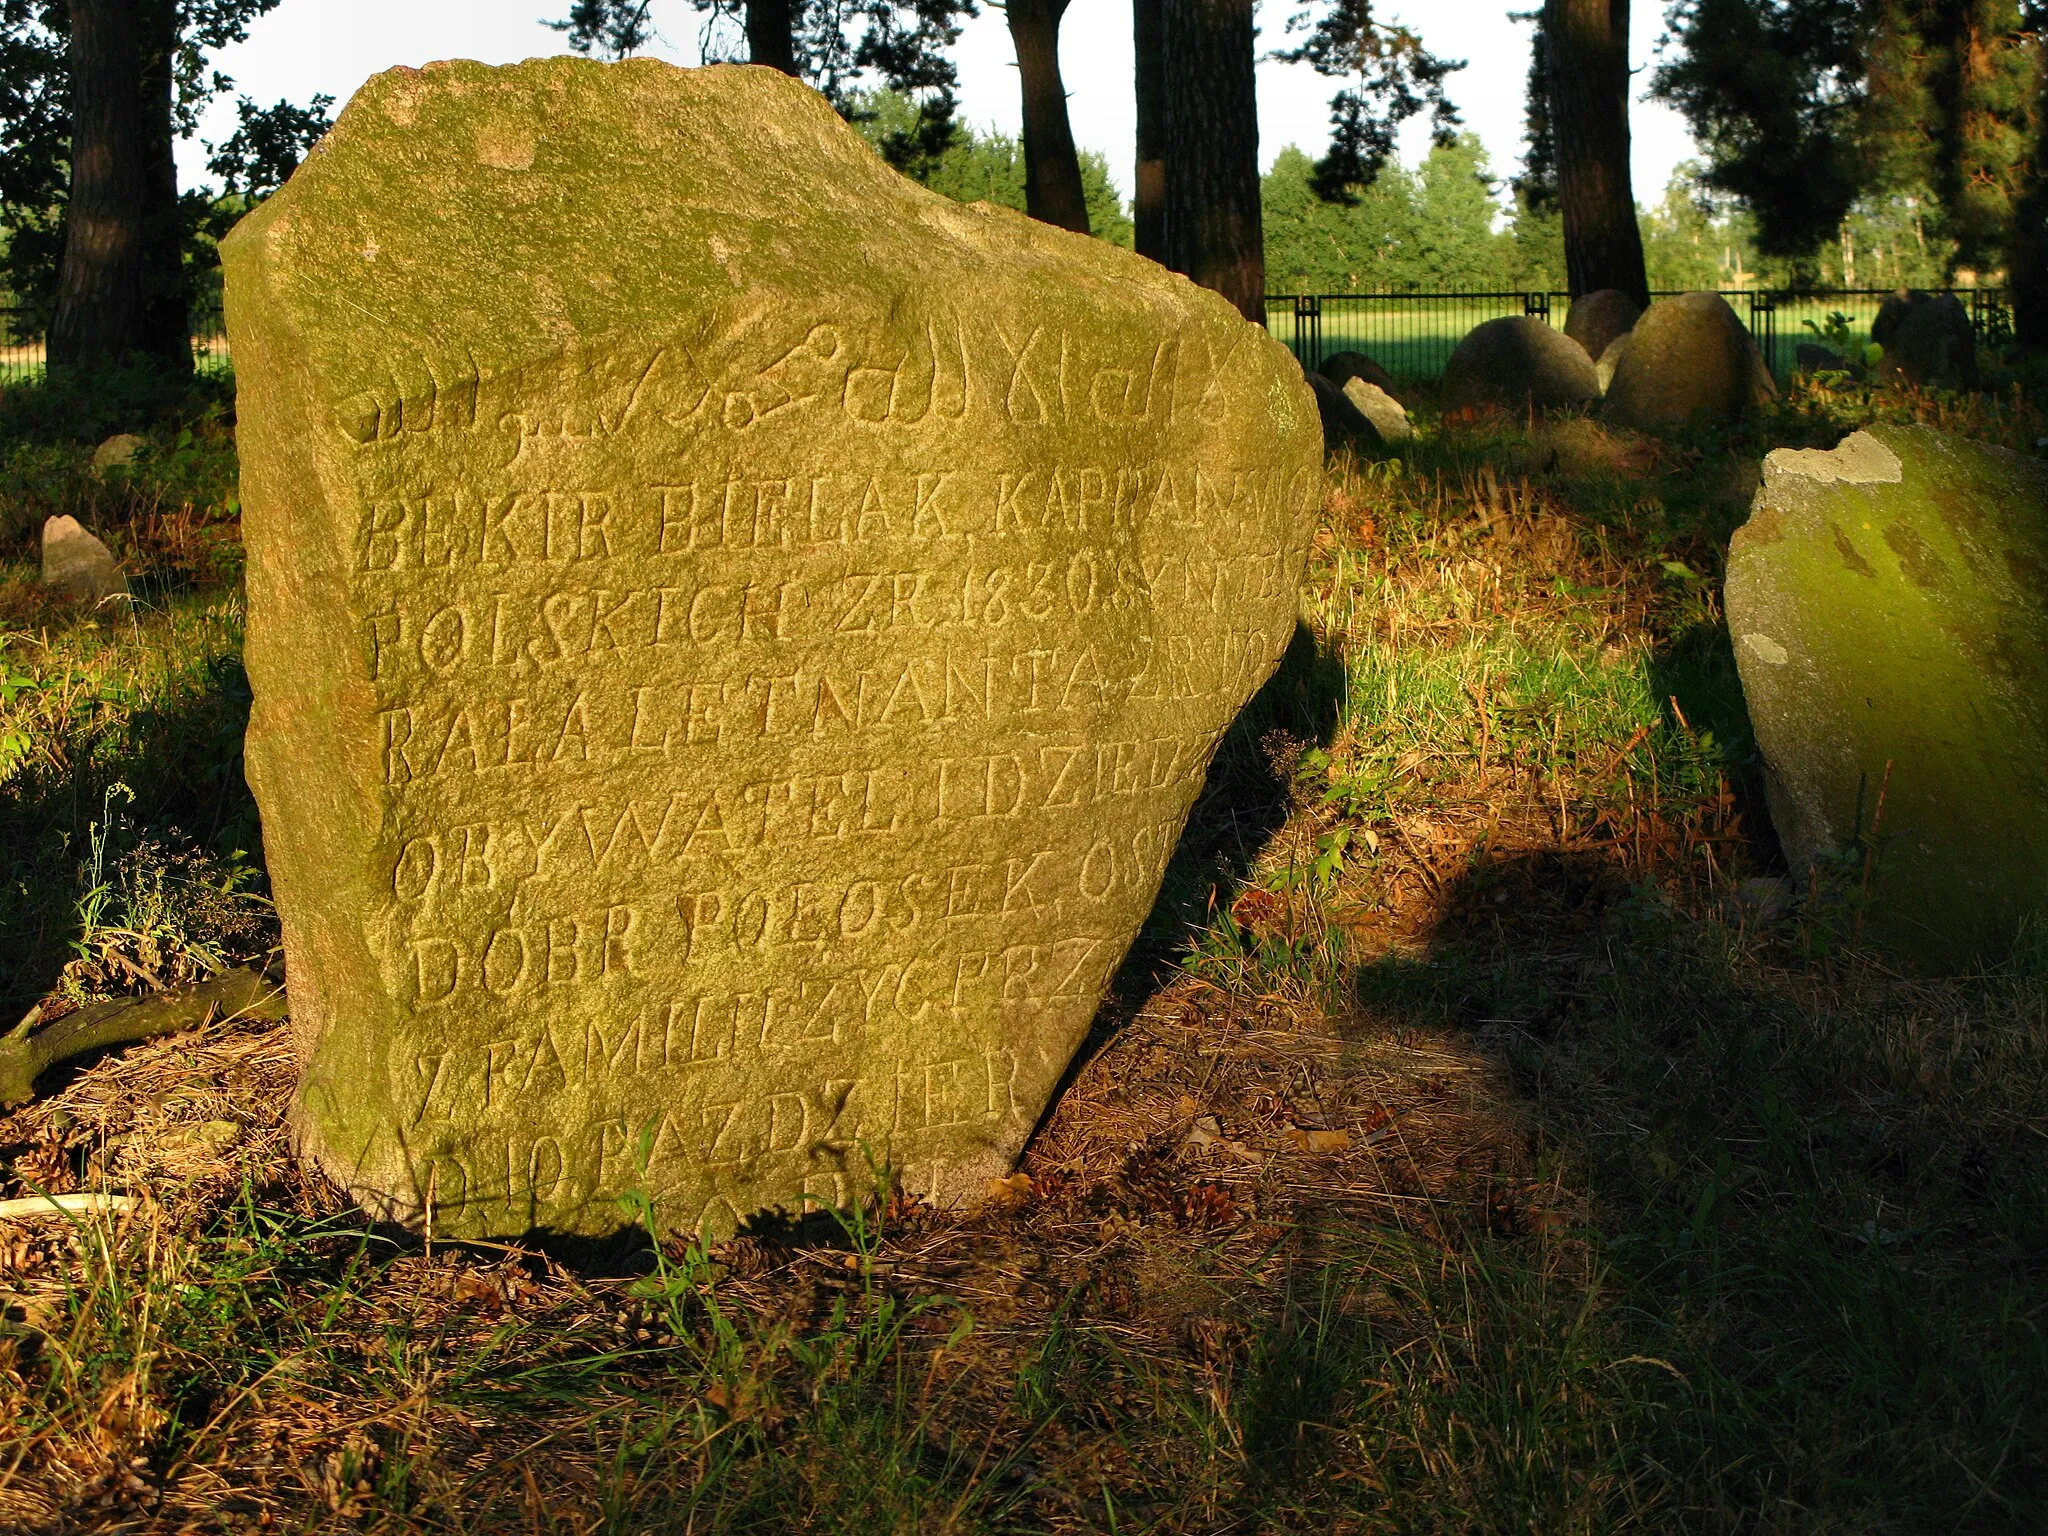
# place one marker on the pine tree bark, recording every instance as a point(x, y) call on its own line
point(2026, 255)
point(1052, 166)
point(99, 280)
point(1587, 42)
point(771, 34)
point(1213, 227)
point(120, 283)
point(1148, 196)
point(166, 320)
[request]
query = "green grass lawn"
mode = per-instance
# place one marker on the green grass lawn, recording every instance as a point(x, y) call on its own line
point(1461, 1151)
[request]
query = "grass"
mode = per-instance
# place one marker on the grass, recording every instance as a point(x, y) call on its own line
point(1478, 1141)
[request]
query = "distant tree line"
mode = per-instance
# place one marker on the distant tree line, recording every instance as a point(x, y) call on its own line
point(1864, 141)
point(1441, 226)
point(985, 166)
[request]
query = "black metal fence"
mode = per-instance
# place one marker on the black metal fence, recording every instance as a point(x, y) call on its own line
point(1411, 335)
point(21, 346)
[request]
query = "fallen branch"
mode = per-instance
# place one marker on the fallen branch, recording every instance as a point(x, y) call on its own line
point(64, 1205)
point(241, 993)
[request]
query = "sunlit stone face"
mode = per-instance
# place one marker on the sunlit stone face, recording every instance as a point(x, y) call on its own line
point(735, 639)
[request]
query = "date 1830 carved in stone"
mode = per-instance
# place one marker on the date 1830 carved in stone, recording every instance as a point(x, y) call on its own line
point(735, 638)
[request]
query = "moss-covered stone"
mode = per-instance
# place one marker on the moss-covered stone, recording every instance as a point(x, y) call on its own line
point(1926, 339)
point(1597, 319)
point(1888, 603)
point(1688, 359)
point(1518, 362)
point(735, 637)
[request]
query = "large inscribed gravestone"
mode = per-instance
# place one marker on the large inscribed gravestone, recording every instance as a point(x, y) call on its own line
point(735, 638)
point(1888, 603)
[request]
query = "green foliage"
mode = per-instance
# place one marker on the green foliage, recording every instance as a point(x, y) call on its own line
point(1388, 78)
point(1427, 228)
point(1434, 228)
point(266, 147)
point(984, 166)
point(1812, 110)
point(35, 130)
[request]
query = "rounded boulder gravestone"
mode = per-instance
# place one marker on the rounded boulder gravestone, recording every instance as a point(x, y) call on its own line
point(1518, 362)
point(735, 637)
point(1927, 339)
point(1689, 359)
point(1597, 319)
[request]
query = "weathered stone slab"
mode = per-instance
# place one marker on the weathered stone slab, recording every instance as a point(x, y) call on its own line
point(1340, 368)
point(1345, 426)
point(1388, 416)
point(1888, 603)
point(735, 637)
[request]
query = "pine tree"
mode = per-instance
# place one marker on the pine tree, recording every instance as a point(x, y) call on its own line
point(1811, 109)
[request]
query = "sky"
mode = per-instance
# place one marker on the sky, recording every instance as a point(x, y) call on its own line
point(308, 47)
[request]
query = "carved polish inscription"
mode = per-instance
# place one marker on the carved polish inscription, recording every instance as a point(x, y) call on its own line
point(766, 726)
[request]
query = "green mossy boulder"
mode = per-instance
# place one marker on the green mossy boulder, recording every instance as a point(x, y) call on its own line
point(735, 637)
point(1518, 362)
point(1888, 603)
point(1689, 359)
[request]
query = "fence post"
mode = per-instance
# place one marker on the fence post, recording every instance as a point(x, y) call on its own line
point(1537, 306)
point(1763, 326)
point(1308, 329)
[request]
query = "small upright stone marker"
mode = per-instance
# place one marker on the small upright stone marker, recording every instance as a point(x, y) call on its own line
point(77, 565)
point(1888, 603)
point(735, 637)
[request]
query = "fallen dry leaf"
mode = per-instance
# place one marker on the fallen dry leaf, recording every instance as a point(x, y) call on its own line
point(1318, 1141)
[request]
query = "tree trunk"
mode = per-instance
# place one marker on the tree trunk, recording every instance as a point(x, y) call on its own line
point(100, 279)
point(2026, 251)
point(1148, 196)
point(120, 285)
point(1587, 42)
point(1052, 168)
point(771, 34)
point(1213, 229)
point(166, 319)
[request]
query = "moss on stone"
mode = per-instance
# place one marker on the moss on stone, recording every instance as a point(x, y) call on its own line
point(1886, 602)
point(734, 636)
